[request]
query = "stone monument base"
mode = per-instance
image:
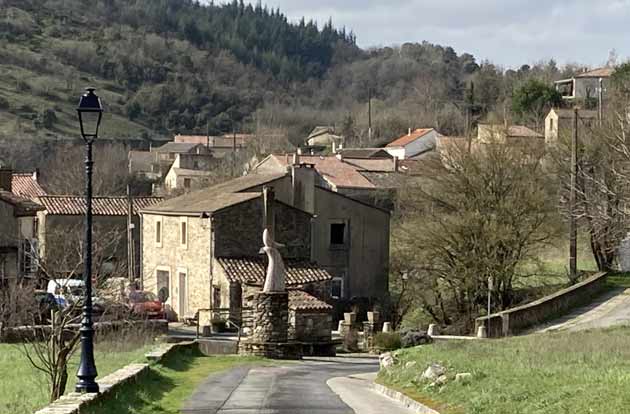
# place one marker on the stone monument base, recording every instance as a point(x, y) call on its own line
point(272, 350)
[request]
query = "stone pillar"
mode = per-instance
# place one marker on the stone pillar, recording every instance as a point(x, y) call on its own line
point(368, 335)
point(271, 317)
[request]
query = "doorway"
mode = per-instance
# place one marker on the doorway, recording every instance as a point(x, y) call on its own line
point(182, 294)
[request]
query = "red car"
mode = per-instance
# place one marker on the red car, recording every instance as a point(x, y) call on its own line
point(146, 305)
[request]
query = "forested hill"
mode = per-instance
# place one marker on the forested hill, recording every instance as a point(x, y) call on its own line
point(168, 66)
point(163, 64)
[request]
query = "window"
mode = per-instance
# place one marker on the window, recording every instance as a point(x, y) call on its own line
point(337, 288)
point(337, 234)
point(551, 124)
point(158, 232)
point(186, 183)
point(183, 232)
point(216, 297)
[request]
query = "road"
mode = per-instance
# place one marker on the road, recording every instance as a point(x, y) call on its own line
point(312, 386)
point(609, 309)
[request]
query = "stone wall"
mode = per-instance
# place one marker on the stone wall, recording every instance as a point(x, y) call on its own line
point(515, 320)
point(271, 317)
point(191, 259)
point(292, 228)
point(310, 326)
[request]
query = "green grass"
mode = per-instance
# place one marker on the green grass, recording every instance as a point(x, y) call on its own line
point(167, 386)
point(23, 389)
point(578, 372)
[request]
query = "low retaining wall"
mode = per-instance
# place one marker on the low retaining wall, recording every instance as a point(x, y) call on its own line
point(75, 403)
point(26, 333)
point(516, 320)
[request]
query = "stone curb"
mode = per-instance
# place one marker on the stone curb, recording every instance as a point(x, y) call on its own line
point(74, 402)
point(403, 399)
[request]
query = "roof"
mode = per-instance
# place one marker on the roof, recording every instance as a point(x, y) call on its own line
point(23, 206)
point(252, 271)
point(372, 164)
point(332, 169)
point(409, 138)
point(568, 113)
point(192, 173)
point(217, 197)
point(227, 140)
point(301, 300)
point(320, 130)
point(522, 131)
point(386, 180)
point(597, 73)
point(70, 205)
point(176, 147)
point(26, 185)
point(363, 153)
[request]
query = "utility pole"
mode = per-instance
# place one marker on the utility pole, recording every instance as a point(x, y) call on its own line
point(370, 115)
point(600, 99)
point(572, 200)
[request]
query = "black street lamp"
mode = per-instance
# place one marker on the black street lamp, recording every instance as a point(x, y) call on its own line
point(90, 114)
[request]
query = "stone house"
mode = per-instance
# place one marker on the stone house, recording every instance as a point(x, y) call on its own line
point(116, 231)
point(584, 85)
point(203, 248)
point(559, 122)
point(18, 237)
point(413, 144)
point(350, 237)
point(323, 137)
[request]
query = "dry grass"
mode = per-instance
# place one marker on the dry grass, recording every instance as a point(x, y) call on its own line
point(582, 372)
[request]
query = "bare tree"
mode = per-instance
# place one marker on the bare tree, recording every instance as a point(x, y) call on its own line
point(473, 217)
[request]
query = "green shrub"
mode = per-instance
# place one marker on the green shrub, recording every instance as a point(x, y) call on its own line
point(387, 341)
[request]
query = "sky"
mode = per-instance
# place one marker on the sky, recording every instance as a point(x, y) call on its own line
point(506, 32)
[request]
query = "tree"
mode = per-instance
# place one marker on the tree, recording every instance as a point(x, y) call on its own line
point(533, 100)
point(473, 217)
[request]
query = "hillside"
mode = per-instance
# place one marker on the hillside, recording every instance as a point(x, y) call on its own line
point(160, 65)
point(168, 66)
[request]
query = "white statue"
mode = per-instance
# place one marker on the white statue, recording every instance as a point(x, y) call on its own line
point(276, 274)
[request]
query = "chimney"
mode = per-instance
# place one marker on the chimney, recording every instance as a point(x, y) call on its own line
point(409, 131)
point(6, 176)
point(395, 164)
point(268, 216)
point(334, 147)
point(299, 151)
point(340, 156)
point(296, 158)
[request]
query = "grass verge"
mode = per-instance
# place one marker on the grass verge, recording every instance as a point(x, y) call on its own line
point(23, 389)
point(168, 384)
point(576, 372)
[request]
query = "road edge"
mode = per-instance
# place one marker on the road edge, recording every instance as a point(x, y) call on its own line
point(402, 398)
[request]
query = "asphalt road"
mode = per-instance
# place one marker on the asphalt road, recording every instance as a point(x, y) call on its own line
point(610, 309)
point(294, 388)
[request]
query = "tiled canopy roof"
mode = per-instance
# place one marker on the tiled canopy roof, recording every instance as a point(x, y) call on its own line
point(597, 73)
point(252, 270)
point(101, 206)
point(300, 300)
point(25, 185)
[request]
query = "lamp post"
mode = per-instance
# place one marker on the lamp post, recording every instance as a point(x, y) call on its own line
point(90, 114)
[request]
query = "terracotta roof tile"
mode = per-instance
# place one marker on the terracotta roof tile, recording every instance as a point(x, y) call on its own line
point(25, 185)
point(301, 300)
point(252, 270)
point(333, 170)
point(101, 206)
point(408, 138)
point(597, 73)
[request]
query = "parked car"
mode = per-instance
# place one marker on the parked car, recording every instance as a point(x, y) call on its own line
point(145, 304)
point(68, 292)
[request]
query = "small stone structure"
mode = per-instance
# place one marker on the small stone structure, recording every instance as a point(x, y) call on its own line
point(271, 310)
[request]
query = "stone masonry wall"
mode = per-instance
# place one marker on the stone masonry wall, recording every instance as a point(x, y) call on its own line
point(310, 326)
point(271, 317)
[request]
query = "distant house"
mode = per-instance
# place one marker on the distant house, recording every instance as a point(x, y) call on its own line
point(509, 135)
point(413, 144)
point(62, 223)
point(190, 171)
point(560, 122)
point(324, 136)
point(26, 185)
point(168, 152)
point(584, 85)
